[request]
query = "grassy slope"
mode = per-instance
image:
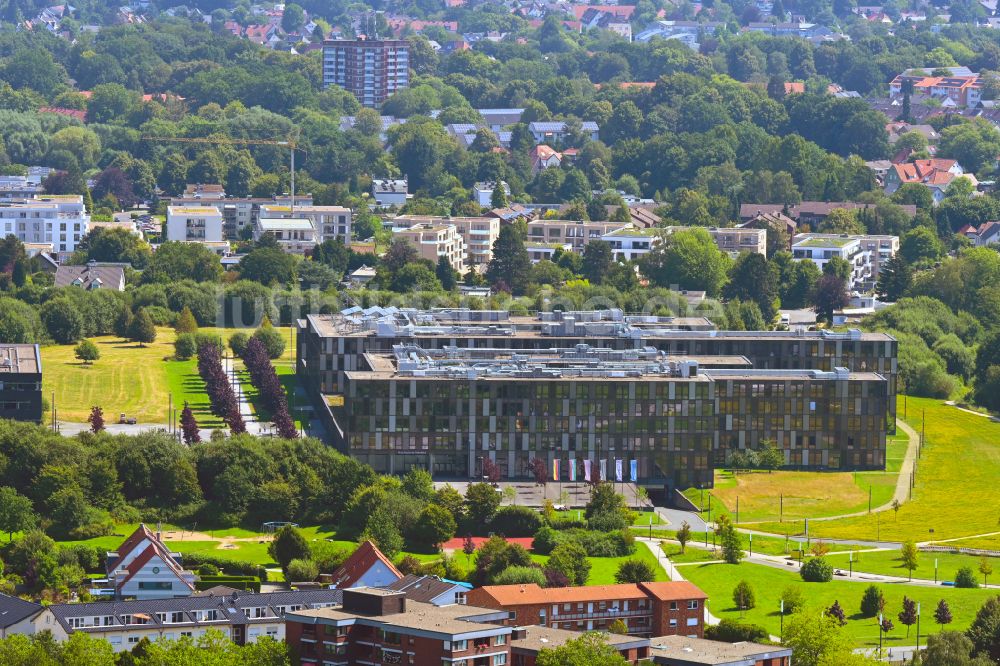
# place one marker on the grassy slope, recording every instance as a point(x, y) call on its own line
point(718, 581)
point(127, 378)
point(956, 480)
point(806, 494)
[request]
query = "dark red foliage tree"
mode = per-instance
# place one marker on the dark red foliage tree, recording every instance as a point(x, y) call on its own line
point(491, 470)
point(96, 419)
point(189, 426)
point(217, 386)
point(272, 393)
point(113, 181)
point(540, 470)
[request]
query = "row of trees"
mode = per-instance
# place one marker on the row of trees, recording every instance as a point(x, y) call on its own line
point(219, 387)
point(269, 387)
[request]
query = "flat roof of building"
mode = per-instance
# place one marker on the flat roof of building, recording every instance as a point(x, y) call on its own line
point(20, 359)
point(838, 242)
point(395, 322)
point(192, 210)
point(449, 620)
point(284, 224)
point(547, 638)
point(580, 363)
point(713, 653)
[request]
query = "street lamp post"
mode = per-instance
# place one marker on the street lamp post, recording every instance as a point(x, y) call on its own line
point(850, 562)
point(709, 518)
point(935, 571)
point(880, 634)
point(918, 627)
point(751, 544)
point(781, 633)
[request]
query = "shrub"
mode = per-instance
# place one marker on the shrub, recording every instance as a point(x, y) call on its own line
point(570, 558)
point(732, 631)
point(546, 539)
point(238, 342)
point(635, 571)
point(792, 598)
point(302, 571)
point(208, 569)
point(161, 316)
point(273, 342)
point(618, 543)
point(516, 521)
point(231, 567)
point(817, 570)
point(966, 577)
point(520, 575)
point(408, 564)
point(185, 346)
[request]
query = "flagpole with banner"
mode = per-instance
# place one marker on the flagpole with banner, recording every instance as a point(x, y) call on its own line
point(604, 470)
point(586, 469)
point(618, 470)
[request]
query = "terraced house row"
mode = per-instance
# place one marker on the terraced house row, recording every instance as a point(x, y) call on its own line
point(669, 398)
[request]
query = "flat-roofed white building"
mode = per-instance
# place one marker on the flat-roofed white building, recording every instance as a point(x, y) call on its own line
point(194, 223)
point(57, 220)
point(295, 235)
point(865, 254)
point(329, 222)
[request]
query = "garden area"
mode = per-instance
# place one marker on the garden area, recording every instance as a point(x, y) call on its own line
point(794, 495)
point(955, 483)
point(769, 585)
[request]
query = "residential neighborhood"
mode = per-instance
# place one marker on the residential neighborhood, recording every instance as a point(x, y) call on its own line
point(507, 333)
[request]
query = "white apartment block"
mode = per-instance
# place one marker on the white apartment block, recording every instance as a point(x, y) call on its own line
point(434, 240)
point(864, 253)
point(238, 213)
point(478, 234)
point(199, 224)
point(572, 232)
point(59, 221)
point(294, 235)
point(329, 222)
point(630, 243)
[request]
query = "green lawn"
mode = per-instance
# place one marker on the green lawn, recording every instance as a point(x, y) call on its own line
point(955, 483)
point(603, 569)
point(795, 495)
point(718, 581)
point(690, 554)
point(890, 564)
point(138, 380)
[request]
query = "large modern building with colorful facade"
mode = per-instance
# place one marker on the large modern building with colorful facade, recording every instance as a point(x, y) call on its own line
point(667, 397)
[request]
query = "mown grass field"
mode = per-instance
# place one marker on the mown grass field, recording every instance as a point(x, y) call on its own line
point(889, 563)
point(955, 487)
point(127, 378)
point(797, 495)
point(718, 581)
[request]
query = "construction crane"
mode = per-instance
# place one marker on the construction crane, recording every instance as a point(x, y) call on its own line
point(226, 141)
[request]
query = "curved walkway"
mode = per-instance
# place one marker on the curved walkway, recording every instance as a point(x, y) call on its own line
point(902, 481)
